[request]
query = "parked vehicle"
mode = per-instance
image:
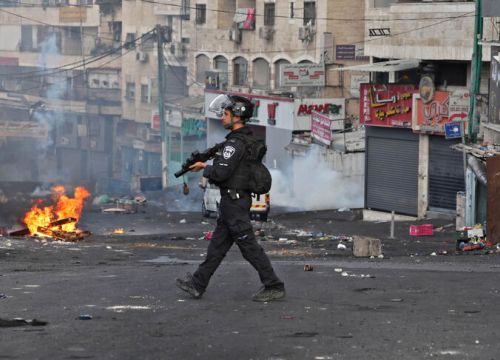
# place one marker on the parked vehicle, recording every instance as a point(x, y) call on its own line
point(261, 204)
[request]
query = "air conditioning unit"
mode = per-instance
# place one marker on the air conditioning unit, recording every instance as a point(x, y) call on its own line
point(141, 56)
point(266, 32)
point(235, 35)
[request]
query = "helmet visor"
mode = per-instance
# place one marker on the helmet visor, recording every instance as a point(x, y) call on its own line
point(220, 103)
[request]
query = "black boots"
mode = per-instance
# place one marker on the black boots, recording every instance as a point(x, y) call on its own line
point(188, 286)
point(269, 294)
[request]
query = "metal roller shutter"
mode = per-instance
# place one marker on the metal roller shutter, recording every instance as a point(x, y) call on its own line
point(391, 170)
point(446, 173)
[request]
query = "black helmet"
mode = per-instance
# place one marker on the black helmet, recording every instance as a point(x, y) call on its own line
point(238, 105)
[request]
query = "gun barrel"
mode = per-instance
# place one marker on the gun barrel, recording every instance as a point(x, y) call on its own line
point(181, 172)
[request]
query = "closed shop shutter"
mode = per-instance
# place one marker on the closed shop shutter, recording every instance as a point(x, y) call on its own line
point(446, 173)
point(391, 170)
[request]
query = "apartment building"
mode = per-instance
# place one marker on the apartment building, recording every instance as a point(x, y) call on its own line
point(48, 54)
point(284, 56)
point(424, 49)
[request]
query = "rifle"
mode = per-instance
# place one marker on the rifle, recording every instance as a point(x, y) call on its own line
point(197, 156)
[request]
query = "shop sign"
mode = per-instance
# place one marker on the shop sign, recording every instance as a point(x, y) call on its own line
point(386, 105)
point(356, 81)
point(445, 108)
point(321, 128)
point(155, 120)
point(194, 127)
point(345, 52)
point(72, 14)
point(334, 109)
point(7, 60)
point(28, 129)
point(303, 75)
point(453, 130)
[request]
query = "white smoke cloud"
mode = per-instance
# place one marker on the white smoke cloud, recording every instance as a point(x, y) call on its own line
point(313, 185)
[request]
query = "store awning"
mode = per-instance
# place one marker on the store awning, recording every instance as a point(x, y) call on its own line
point(384, 66)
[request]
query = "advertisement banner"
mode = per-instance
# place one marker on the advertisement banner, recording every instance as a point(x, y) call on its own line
point(303, 75)
point(446, 107)
point(321, 128)
point(386, 105)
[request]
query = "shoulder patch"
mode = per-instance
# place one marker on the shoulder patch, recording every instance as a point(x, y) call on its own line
point(228, 151)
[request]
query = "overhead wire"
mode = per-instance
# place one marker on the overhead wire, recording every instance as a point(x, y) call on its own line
point(288, 17)
point(74, 65)
point(87, 62)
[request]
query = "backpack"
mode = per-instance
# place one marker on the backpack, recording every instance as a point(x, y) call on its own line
point(260, 179)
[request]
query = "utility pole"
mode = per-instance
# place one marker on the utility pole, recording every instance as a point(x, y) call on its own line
point(477, 54)
point(160, 38)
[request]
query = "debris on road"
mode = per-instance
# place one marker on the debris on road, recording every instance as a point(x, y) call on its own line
point(308, 267)
point(21, 322)
point(85, 317)
point(366, 247)
point(422, 230)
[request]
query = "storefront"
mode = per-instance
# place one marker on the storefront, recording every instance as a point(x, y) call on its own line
point(272, 121)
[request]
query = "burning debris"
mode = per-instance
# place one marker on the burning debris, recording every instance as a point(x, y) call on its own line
point(56, 221)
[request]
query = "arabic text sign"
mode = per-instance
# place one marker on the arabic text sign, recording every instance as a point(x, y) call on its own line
point(320, 128)
point(445, 108)
point(386, 105)
point(303, 75)
point(29, 129)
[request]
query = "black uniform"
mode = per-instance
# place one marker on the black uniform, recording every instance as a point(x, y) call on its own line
point(229, 172)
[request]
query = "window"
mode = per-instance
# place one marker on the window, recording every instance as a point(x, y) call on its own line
point(130, 91)
point(277, 72)
point(94, 129)
point(129, 41)
point(269, 14)
point(201, 14)
point(309, 12)
point(240, 67)
point(145, 94)
point(261, 74)
point(202, 65)
point(185, 9)
point(292, 11)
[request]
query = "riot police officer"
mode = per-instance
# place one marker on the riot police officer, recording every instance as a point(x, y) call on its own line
point(233, 224)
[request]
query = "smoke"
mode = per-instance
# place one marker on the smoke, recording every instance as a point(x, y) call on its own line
point(311, 184)
point(54, 87)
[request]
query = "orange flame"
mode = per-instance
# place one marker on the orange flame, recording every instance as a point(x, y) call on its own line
point(65, 207)
point(119, 231)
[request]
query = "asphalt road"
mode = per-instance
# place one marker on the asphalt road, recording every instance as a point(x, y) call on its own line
point(407, 305)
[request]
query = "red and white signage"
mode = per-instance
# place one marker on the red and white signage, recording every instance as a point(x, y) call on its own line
point(386, 105)
point(321, 128)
